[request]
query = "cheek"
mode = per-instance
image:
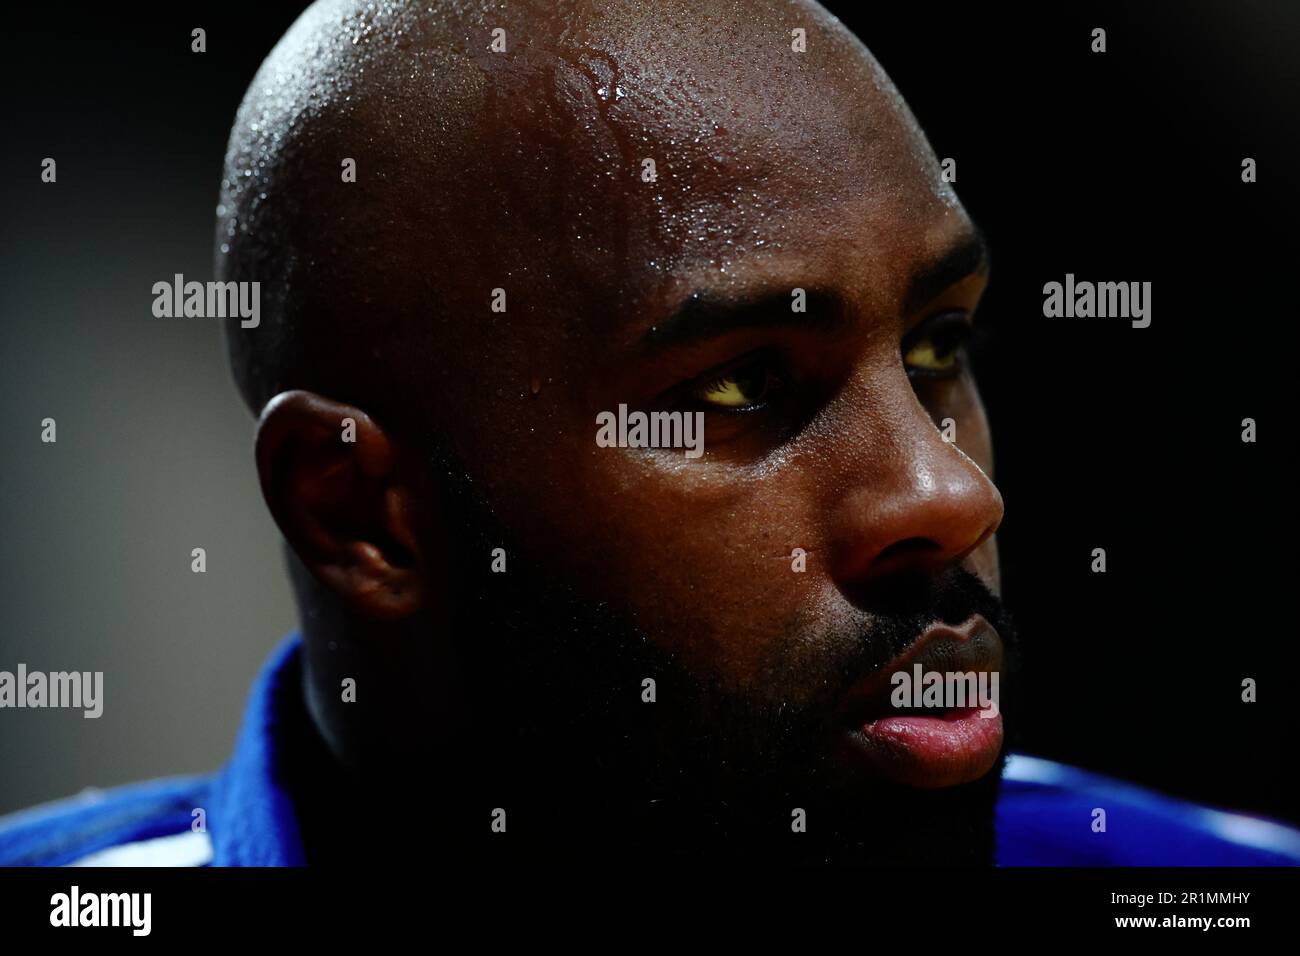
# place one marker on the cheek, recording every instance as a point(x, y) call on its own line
point(716, 586)
point(696, 559)
point(704, 573)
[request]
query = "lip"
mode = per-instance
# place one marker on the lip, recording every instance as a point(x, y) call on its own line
point(942, 749)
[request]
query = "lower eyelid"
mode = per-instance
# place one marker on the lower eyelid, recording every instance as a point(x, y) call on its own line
point(953, 371)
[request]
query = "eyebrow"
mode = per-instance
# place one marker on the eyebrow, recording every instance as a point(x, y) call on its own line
point(705, 315)
point(966, 257)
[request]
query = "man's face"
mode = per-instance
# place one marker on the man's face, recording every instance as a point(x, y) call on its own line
point(699, 220)
point(773, 171)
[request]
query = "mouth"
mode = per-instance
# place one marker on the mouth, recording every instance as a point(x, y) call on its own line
point(939, 736)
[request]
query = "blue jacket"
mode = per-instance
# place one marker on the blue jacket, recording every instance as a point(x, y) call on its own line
point(1044, 815)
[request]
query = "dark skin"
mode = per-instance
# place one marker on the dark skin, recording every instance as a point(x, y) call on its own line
point(775, 170)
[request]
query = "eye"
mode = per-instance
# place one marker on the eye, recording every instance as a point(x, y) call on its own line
point(935, 350)
point(746, 386)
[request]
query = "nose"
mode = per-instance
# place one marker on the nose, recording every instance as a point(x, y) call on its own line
point(916, 504)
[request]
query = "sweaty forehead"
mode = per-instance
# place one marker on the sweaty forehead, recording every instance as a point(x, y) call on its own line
point(730, 107)
point(715, 89)
point(616, 150)
point(665, 139)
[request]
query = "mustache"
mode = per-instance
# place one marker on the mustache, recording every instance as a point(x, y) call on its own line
point(897, 610)
point(786, 726)
point(882, 625)
point(902, 607)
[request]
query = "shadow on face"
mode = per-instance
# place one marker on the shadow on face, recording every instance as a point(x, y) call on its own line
point(625, 211)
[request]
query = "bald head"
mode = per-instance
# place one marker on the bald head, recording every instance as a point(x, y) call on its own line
point(593, 160)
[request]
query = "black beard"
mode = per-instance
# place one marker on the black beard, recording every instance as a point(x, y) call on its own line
point(588, 770)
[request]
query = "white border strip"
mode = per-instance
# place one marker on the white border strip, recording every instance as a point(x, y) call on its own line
point(184, 849)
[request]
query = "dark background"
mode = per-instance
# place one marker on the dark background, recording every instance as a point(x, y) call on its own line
point(1123, 166)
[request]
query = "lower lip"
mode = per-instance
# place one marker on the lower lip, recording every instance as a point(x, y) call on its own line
point(928, 752)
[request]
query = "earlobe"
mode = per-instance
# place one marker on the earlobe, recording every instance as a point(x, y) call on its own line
point(334, 483)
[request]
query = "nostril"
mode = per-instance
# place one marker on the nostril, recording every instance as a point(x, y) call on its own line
point(905, 550)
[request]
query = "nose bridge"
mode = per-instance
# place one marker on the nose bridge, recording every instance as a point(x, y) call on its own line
point(907, 499)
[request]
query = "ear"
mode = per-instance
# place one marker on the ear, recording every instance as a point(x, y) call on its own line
point(335, 485)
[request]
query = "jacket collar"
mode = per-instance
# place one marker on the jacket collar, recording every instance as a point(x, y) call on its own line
point(253, 822)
